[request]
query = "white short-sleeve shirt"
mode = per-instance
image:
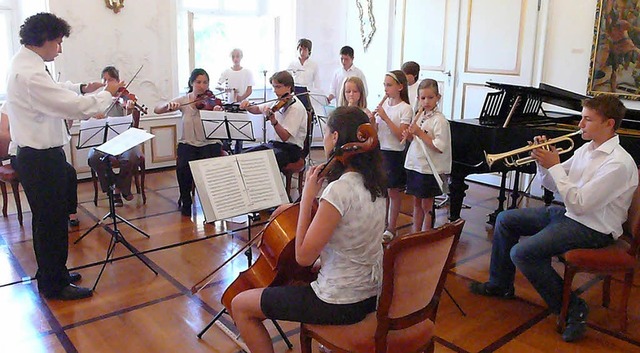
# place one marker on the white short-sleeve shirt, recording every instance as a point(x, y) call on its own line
point(352, 259)
point(437, 127)
point(238, 80)
point(400, 113)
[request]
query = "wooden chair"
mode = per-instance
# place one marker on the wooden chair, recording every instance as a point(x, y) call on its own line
point(138, 173)
point(299, 166)
point(619, 258)
point(415, 268)
point(10, 176)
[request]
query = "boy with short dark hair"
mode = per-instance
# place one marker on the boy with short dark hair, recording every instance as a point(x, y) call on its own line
point(596, 184)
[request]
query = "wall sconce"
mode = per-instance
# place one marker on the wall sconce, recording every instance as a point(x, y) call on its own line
point(115, 5)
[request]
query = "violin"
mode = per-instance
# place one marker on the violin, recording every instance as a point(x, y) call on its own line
point(283, 102)
point(207, 100)
point(125, 95)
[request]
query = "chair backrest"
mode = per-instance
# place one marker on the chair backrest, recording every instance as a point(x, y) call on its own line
point(414, 271)
point(5, 138)
point(632, 226)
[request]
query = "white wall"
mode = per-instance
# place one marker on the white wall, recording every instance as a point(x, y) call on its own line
point(143, 33)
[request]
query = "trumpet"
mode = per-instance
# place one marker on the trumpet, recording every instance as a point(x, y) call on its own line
point(510, 159)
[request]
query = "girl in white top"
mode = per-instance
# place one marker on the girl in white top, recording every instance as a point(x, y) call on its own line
point(431, 129)
point(352, 94)
point(193, 144)
point(346, 233)
point(393, 116)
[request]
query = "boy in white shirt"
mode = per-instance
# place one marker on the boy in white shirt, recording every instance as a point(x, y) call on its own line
point(347, 70)
point(596, 184)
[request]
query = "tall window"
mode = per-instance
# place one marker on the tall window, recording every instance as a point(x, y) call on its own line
point(209, 30)
point(12, 14)
point(6, 46)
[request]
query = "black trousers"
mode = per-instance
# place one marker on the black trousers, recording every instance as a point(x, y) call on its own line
point(45, 179)
point(285, 152)
point(72, 182)
point(188, 153)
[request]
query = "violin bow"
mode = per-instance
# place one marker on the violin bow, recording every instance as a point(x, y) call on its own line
point(204, 282)
point(113, 103)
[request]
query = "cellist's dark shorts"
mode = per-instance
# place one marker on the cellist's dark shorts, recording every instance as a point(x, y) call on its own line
point(300, 304)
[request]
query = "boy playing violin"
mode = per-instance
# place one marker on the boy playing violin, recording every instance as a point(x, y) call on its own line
point(288, 124)
point(127, 160)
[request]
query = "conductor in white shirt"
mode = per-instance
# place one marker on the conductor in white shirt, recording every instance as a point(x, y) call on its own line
point(37, 107)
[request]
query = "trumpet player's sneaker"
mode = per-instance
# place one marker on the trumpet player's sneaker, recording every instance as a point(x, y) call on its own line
point(576, 321)
point(489, 290)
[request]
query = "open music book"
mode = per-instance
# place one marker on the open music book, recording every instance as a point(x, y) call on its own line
point(230, 186)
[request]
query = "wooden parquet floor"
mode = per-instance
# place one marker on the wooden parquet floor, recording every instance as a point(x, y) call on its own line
point(134, 310)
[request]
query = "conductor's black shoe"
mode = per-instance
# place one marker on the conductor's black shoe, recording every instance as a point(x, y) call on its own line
point(489, 290)
point(71, 292)
point(74, 277)
point(576, 321)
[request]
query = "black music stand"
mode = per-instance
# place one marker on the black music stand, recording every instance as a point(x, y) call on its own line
point(95, 132)
point(222, 125)
point(116, 235)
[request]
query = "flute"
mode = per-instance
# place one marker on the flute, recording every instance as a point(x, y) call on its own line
point(413, 121)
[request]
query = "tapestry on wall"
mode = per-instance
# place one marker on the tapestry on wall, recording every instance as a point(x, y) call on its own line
point(615, 53)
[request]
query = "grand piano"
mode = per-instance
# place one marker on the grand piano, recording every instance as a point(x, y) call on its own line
point(510, 117)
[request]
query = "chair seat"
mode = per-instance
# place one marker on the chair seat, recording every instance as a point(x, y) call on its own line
point(605, 259)
point(359, 338)
point(8, 174)
point(294, 167)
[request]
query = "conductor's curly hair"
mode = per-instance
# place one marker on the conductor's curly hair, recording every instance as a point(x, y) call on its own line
point(43, 27)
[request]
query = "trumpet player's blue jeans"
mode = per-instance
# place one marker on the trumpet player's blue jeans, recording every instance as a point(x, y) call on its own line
point(548, 233)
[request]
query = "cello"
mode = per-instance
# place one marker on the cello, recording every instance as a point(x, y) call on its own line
point(276, 265)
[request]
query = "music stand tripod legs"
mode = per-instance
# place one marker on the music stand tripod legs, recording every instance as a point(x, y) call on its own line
point(116, 235)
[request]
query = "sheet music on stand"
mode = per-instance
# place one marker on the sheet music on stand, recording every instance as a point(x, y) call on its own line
point(125, 141)
point(221, 125)
point(95, 132)
point(233, 185)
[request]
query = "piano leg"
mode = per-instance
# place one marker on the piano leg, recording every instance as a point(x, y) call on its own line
point(515, 193)
point(457, 192)
point(501, 199)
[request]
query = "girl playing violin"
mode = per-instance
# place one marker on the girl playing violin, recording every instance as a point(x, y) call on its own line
point(128, 160)
point(346, 233)
point(288, 124)
point(192, 144)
